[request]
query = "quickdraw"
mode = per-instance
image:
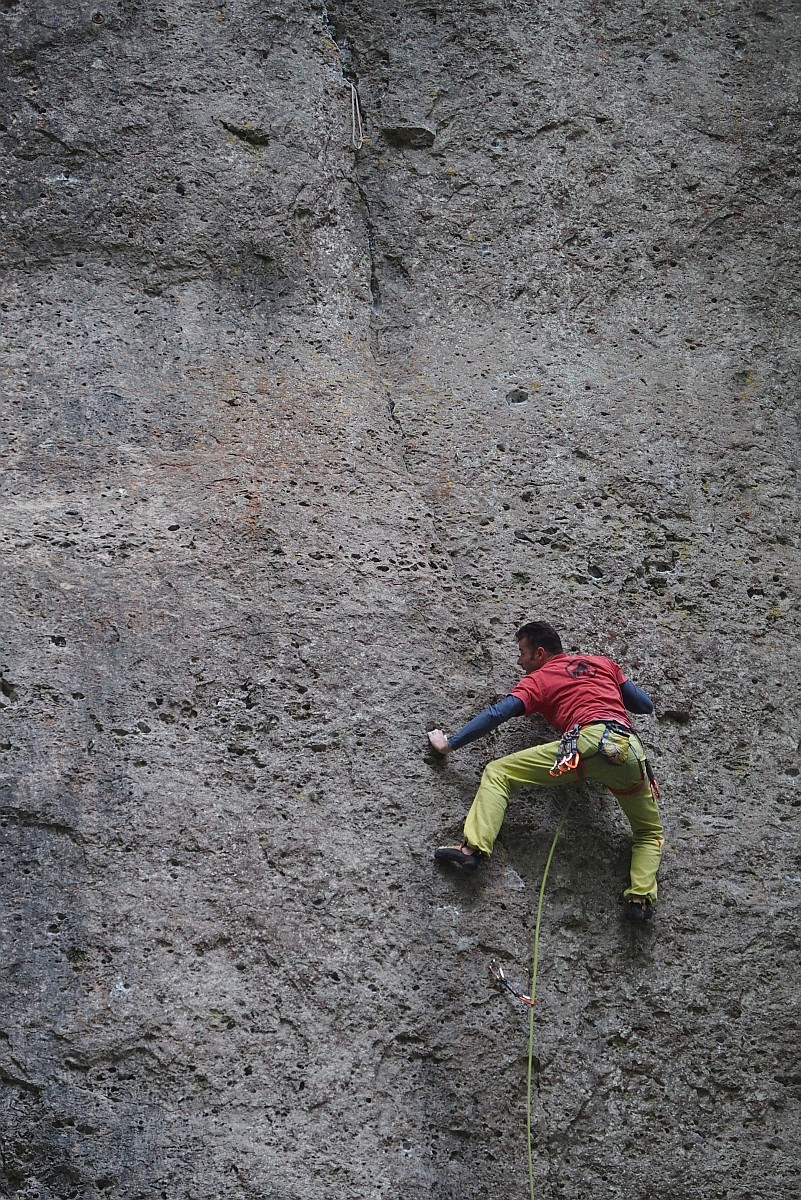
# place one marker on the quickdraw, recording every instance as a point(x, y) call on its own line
point(497, 973)
point(567, 756)
point(649, 771)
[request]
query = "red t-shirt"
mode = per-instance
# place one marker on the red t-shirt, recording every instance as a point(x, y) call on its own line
point(574, 689)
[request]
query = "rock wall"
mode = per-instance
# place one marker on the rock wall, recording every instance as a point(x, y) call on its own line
point(297, 431)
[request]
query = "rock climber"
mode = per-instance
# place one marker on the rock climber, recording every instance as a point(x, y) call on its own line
point(586, 698)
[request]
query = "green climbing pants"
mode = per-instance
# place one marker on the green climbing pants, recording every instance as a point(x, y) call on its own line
point(625, 780)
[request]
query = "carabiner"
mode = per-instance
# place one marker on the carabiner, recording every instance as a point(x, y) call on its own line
point(497, 973)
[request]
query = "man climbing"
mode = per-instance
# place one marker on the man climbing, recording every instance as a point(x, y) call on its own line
point(585, 698)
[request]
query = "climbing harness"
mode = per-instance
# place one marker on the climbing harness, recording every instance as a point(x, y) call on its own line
point(497, 973)
point(567, 756)
point(357, 131)
point(614, 746)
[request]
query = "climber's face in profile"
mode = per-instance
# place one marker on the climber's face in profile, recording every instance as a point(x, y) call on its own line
point(531, 658)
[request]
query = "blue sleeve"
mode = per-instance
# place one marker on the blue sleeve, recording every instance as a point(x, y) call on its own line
point(635, 699)
point(486, 721)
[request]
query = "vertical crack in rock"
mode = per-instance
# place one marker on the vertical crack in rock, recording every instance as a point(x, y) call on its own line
point(333, 22)
point(375, 289)
point(335, 25)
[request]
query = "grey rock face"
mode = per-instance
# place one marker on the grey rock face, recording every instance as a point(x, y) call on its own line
point(295, 435)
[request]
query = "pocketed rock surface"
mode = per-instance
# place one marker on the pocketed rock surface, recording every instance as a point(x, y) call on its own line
point(296, 434)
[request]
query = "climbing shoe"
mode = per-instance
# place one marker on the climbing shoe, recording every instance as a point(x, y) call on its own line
point(639, 908)
point(453, 854)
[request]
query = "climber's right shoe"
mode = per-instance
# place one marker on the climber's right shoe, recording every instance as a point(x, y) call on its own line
point(639, 908)
point(457, 856)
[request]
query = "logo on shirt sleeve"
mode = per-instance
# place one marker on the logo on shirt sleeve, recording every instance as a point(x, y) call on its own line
point(581, 669)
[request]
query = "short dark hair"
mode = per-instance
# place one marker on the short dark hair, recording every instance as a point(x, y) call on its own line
point(540, 633)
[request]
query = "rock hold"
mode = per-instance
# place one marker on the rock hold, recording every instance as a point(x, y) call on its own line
point(255, 135)
point(409, 137)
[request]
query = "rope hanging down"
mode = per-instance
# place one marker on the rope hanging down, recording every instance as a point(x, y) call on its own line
point(497, 973)
point(534, 962)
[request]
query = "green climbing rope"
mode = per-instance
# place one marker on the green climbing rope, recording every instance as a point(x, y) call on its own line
point(533, 990)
